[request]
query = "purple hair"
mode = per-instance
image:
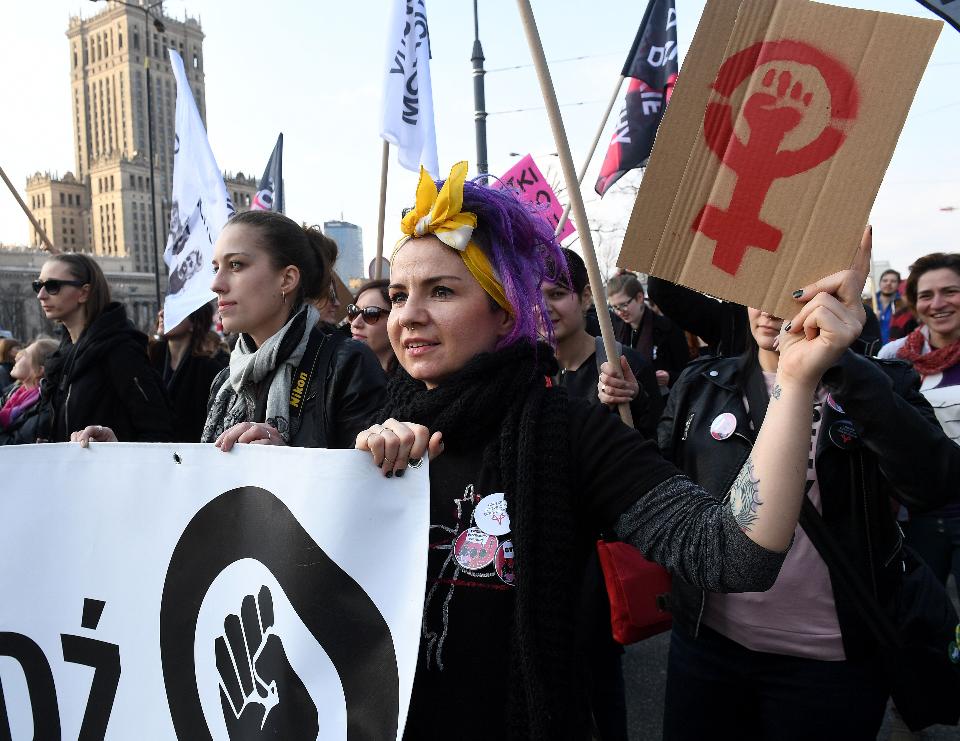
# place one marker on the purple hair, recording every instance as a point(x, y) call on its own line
point(522, 249)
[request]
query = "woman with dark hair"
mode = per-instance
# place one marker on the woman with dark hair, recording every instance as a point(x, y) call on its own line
point(577, 352)
point(368, 321)
point(270, 271)
point(535, 475)
point(183, 359)
point(20, 417)
point(754, 665)
point(933, 292)
point(100, 374)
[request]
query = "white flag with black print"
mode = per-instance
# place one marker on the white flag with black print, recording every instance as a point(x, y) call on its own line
point(199, 208)
point(407, 95)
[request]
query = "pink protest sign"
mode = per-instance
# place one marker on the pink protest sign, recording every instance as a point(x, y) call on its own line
point(527, 180)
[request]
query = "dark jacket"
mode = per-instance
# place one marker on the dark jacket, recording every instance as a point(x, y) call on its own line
point(188, 388)
point(898, 450)
point(106, 379)
point(724, 325)
point(25, 429)
point(670, 351)
point(354, 388)
point(646, 408)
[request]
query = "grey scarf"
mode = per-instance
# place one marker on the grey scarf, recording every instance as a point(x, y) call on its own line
point(236, 400)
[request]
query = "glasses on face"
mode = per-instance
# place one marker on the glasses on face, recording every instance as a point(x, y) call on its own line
point(620, 308)
point(371, 314)
point(53, 285)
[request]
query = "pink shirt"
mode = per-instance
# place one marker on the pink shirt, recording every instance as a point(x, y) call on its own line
point(797, 616)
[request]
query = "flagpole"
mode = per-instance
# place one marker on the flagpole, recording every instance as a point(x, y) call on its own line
point(384, 163)
point(593, 148)
point(33, 220)
point(576, 198)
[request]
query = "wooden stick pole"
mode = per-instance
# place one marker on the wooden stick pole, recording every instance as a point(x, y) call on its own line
point(573, 189)
point(384, 164)
point(593, 148)
point(36, 224)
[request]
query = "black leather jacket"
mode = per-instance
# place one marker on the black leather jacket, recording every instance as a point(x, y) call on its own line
point(898, 450)
point(355, 388)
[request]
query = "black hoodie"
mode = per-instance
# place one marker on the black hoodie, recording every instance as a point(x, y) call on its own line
point(106, 379)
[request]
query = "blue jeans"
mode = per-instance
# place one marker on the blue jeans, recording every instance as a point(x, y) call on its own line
point(937, 541)
point(717, 689)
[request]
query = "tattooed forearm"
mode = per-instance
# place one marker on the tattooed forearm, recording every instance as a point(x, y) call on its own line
point(775, 394)
point(745, 497)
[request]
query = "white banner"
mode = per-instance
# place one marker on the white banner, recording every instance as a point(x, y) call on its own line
point(174, 591)
point(407, 121)
point(200, 208)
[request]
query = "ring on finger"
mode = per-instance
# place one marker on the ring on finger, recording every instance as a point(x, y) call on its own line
point(369, 435)
point(269, 434)
point(389, 461)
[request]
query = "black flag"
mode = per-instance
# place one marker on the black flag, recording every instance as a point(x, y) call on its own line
point(949, 10)
point(652, 65)
point(270, 190)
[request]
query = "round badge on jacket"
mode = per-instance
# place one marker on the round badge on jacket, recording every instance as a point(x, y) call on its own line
point(723, 426)
point(844, 435)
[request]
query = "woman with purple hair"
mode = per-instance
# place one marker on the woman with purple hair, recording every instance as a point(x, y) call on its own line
point(528, 476)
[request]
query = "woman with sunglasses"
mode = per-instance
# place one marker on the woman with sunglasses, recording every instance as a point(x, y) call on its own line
point(100, 375)
point(270, 271)
point(368, 321)
point(528, 476)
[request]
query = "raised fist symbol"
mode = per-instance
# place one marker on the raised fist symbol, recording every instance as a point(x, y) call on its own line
point(260, 693)
point(778, 108)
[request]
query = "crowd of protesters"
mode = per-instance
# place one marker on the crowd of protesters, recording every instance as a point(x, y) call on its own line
point(481, 351)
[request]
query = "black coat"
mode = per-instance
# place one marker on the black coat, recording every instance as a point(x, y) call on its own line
point(670, 351)
point(354, 390)
point(646, 408)
point(105, 379)
point(25, 429)
point(188, 388)
point(898, 450)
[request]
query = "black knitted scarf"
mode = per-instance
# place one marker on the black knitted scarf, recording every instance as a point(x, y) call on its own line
point(499, 402)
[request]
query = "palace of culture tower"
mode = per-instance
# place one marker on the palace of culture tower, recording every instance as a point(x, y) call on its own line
point(103, 205)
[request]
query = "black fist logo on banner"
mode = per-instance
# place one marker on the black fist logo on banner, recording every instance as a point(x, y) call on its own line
point(261, 694)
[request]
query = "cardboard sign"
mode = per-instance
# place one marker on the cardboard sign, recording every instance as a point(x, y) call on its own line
point(264, 593)
point(770, 155)
point(527, 180)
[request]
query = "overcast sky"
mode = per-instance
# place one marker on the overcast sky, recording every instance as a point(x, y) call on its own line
point(314, 71)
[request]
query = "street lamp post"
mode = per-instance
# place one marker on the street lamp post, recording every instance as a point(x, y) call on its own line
point(479, 101)
point(157, 24)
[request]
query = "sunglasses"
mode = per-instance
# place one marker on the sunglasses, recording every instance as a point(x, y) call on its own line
point(53, 285)
point(371, 314)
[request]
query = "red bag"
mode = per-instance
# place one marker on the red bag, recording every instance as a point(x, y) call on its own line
point(639, 592)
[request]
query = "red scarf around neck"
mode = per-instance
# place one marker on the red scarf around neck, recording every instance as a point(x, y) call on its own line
point(933, 362)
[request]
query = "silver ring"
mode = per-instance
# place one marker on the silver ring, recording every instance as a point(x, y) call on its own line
point(269, 436)
point(389, 461)
point(367, 439)
point(99, 428)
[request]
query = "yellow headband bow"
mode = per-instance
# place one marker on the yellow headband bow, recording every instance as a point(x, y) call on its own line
point(440, 214)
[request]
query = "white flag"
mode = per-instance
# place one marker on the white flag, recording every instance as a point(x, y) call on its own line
point(407, 96)
point(199, 211)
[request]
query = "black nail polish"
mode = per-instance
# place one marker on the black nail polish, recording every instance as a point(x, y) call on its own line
point(389, 474)
point(415, 462)
point(400, 472)
point(786, 327)
point(798, 293)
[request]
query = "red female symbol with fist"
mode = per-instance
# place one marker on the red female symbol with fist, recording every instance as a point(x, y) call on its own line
point(771, 112)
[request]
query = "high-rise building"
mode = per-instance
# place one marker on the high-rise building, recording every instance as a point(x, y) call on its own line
point(349, 239)
point(103, 206)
